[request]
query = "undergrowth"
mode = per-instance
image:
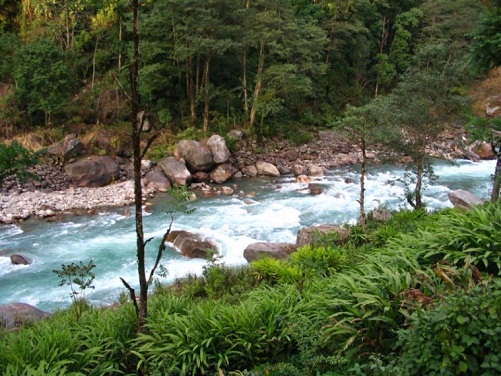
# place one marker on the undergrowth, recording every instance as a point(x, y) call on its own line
point(417, 294)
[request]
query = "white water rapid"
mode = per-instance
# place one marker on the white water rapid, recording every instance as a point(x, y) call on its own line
point(278, 210)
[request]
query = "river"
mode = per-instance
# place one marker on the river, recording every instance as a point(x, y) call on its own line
point(279, 208)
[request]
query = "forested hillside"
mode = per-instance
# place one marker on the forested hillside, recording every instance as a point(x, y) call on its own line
point(269, 66)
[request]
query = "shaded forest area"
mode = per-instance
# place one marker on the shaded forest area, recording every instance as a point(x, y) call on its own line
point(272, 67)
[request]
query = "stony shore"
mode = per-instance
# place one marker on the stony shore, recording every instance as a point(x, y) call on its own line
point(326, 151)
point(19, 206)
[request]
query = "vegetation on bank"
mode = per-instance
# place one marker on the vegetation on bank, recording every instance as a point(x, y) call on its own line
point(418, 294)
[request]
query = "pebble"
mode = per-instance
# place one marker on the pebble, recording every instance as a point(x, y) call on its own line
point(42, 204)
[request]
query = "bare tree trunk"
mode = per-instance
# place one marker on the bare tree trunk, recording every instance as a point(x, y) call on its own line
point(190, 87)
point(363, 173)
point(206, 93)
point(257, 87)
point(138, 194)
point(419, 182)
point(94, 64)
point(496, 186)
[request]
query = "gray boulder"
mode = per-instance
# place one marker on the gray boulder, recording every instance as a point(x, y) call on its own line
point(175, 171)
point(191, 245)
point(316, 170)
point(266, 169)
point(69, 147)
point(308, 235)
point(19, 260)
point(280, 251)
point(198, 156)
point(217, 146)
point(315, 189)
point(464, 199)
point(223, 172)
point(156, 179)
point(94, 171)
point(16, 314)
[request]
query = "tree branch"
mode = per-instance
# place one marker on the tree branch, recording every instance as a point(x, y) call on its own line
point(148, 143)
point(132, 294)
point(161, 249)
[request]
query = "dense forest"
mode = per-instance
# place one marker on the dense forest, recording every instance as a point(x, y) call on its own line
point(268, 66)
point(413, 293)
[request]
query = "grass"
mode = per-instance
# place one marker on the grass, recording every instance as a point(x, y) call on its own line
point(327, 310)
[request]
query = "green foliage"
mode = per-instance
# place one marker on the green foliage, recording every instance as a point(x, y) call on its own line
point(275, 271)
point(96, 344)
point(485, 52)
point(15, 159)
point(459, 237)
point(458, 336)
point(319, 261)
point(212, 335)
point(80, 275)
point(42, 78)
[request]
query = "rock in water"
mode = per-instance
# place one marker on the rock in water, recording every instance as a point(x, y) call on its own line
point(19, 260)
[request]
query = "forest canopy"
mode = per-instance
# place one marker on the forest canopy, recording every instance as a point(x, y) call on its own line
point(264, 65)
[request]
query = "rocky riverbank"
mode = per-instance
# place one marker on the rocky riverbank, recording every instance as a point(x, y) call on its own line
point(54, 193)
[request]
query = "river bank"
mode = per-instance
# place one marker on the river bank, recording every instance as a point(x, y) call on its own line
point(327, 150)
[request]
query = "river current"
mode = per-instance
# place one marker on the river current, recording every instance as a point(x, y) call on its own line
point(279, 208)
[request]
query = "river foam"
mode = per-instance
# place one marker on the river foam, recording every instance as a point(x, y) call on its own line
point(277, 210)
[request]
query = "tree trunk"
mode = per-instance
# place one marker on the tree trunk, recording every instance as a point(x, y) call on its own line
point(206, 93)
point(190, 87)
point(138, 194)
point(257, 87)
point(419, 182)
point(496, 184)
point(94, 64)
point(363, 173)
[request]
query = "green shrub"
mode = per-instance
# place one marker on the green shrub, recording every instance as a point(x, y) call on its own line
point(319, 261)
point(460, 335)
point(96, 344)
point(459, 237)
point(212, 335)
point(275, 271)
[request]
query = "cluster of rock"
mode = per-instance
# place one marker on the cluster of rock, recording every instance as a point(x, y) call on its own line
point(194, 163)
point(18, 206)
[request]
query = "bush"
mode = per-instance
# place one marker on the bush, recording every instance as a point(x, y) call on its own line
point(460, 237)
point(461, 335)
point(319, 261)
point(274, 271)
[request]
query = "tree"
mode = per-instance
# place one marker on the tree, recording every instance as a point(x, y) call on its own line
point(42, 79)
point(489, 130)
point(485, 52)
point(422, 103)
point(289, 51)
point(15, 160)
point(366, 127)
point(140, 147)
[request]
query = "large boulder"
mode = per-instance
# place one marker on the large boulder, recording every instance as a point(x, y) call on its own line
point(484, 151)
point(156, 179)
point(191, 245)
point(308, 235)
point(266, 169)
point(175, 170)
point(68, 148)
point(198, 156)
point(94, 171)
point(316, 170)
point(17, 314)
point(19, 260)
point(223, 172)
point(464, 199)
point(280, 251)
point(217, 146)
